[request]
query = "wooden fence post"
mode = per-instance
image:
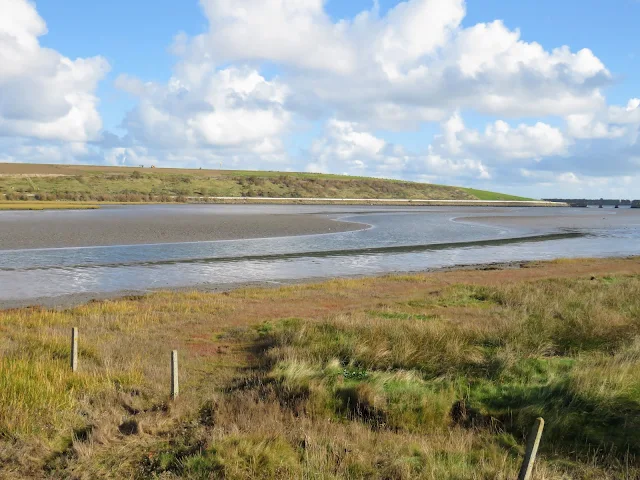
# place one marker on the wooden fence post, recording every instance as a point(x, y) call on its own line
point(74, 349)
point(532, 450)
point(175, 388)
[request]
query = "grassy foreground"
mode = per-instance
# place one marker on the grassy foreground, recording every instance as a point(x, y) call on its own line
point(432, 376)
point(124, 184)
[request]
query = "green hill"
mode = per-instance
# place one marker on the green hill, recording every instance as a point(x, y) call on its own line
point(72, 182)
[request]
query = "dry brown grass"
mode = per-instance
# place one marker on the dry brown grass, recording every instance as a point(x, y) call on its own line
point(28, 205)
point(344, 379)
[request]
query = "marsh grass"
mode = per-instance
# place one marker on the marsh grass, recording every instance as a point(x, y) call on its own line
point(398, 377)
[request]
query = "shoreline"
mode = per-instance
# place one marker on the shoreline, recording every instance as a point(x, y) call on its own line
point(77, 299)
point(402, 202)
point(377, 201)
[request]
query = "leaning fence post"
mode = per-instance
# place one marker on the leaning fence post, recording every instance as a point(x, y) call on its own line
point(532, 450)
point(175, 389)
point(74, 349)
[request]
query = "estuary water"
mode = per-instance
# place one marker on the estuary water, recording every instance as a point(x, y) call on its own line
point(391, 239)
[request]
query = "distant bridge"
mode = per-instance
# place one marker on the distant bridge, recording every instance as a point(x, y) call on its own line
point(585, 202)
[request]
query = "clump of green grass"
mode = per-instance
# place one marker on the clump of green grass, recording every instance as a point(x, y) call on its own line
point(566, 350)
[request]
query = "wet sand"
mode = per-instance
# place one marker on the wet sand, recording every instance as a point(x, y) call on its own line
point(29, 230)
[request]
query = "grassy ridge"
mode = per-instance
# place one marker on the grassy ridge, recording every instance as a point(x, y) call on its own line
point(127, 184)
point(434, 376)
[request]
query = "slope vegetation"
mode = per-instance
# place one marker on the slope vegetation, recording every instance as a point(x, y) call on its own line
point(82, 183)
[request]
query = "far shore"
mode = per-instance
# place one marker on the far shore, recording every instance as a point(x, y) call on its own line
point(295, 201)
point(382, 201)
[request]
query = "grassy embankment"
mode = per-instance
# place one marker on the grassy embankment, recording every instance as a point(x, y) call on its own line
point(435, 376)
point(78, 183)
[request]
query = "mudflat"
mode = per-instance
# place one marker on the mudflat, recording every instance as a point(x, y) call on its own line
point(588, 218)
point(123, 226)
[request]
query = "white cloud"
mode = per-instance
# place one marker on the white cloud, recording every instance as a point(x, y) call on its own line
point(296, 32)
point(610, 122)
point(587, 125)
point(627, 116)
point(501, 141)
point(42, 93)
point(438, 166)
point(348, 148)
point(544, 109)
point(416, 63)
point(230, 108)
point(17, 150)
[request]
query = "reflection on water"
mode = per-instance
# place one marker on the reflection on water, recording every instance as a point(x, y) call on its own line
point(394, 241)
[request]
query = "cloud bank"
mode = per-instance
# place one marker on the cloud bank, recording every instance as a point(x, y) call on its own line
point(267, 71)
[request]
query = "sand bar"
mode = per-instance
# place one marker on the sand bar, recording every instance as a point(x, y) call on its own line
point(127, 226)
point(591, 218)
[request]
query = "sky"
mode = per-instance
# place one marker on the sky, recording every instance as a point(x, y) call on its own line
point(536, 97)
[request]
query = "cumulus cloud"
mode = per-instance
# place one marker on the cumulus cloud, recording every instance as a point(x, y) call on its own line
point(298, 33)
point(345, 146)
point(510, 111)
point(502, 141)
point(607, 122)
point(233, 108)
point(348, 148)
point(416, 63)
point(44, 94)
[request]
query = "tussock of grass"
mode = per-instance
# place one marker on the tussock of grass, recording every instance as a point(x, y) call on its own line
point(369, 378)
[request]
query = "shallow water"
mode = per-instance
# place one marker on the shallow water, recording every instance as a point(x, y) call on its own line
point(392, 239)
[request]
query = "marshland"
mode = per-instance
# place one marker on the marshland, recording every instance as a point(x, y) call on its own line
point(436, 375)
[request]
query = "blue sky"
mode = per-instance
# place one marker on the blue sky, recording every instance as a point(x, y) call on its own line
point(440, 100)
